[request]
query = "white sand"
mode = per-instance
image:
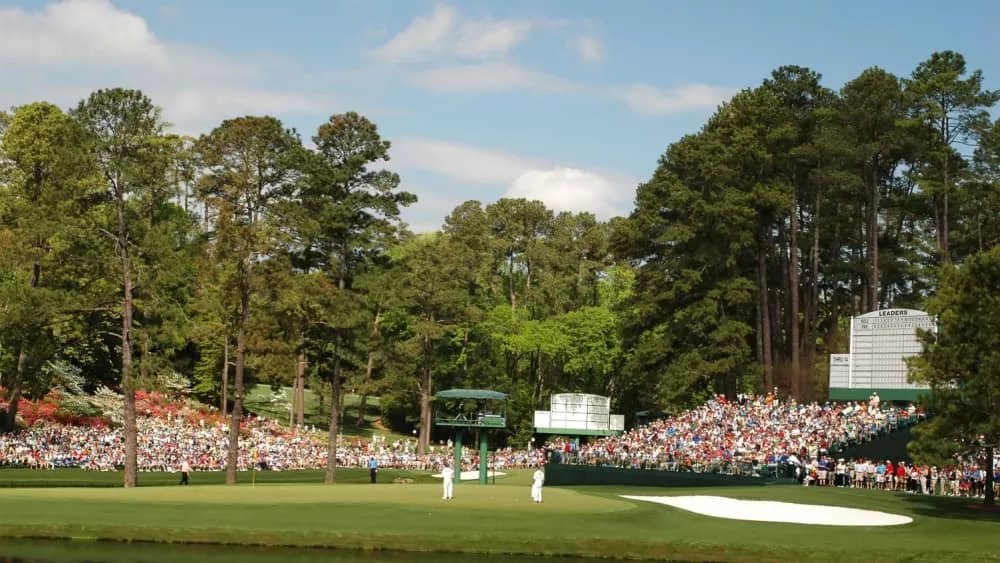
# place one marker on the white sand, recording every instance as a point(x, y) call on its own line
point(473, 475)
point(770, 511)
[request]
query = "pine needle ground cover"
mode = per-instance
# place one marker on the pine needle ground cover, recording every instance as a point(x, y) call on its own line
point(500, 519)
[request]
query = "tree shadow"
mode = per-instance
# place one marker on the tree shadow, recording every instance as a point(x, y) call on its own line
point(952, 508)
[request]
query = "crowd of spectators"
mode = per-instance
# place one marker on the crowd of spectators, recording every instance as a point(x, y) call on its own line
point(165, 443)
point(964, 478)
point(750, 435)
point(753, 435)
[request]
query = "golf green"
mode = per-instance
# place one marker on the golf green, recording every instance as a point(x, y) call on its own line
point(496, 519)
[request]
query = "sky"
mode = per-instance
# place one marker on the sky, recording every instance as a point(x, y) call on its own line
point(567, 101)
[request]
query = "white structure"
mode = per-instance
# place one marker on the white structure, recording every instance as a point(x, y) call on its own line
point(579, 414)
point(840, 371)
point(880, 343)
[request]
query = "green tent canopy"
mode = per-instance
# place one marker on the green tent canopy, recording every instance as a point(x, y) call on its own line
point(484, 394)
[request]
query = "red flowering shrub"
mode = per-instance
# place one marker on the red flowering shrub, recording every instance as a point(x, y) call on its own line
point(148, 404)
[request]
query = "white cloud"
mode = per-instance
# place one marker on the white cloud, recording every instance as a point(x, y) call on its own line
point(445, 51)
point(444, 32)
point(447, 40)
point(69, 48)
point(460, 162)
point(589, 48)
point(570, 189)
point(488, 77)
point(561, 187)
point(479, 39)
point(426, 35)
point(77, 32)
point(644, 98)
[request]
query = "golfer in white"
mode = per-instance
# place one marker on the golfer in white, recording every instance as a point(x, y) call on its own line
point(448, 480)
point(536, 485)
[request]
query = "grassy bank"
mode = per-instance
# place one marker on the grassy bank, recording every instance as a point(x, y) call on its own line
point(498, 519)
point(259, 402)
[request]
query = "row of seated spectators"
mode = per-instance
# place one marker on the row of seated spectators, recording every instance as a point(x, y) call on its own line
point(751, 435)
point(965, 478)
point(164, 444)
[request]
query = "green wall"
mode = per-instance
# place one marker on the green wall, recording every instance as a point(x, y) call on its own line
point(557, 474)
point(890, 446)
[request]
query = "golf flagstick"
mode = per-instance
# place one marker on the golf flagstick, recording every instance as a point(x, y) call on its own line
point(253, 479)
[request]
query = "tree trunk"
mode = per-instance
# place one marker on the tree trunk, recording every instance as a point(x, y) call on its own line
point(225, 376)
point(540, 377)
point(300, 389)
point(144, 354)
point(369, 369)
point(241, 352)
point(510, 277)
point(425, 397)
point(765, 314)
point(793, 283)
point(990, 498)
point(873, 236)
point(813, 317)
point(979, 227)
point(865, 277)
point(10, 417)
point(783, 324)
point(776, 330)
point(331, 444)
point(9, 422)
point(758, 338)
point(945, 246)
point(128, 385)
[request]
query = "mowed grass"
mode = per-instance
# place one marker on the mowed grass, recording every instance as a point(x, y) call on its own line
point(258, 401)
point(496, 519)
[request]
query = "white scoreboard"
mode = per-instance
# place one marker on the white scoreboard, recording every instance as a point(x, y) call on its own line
point(840, 371)
point(880, 343)
point(579, 413)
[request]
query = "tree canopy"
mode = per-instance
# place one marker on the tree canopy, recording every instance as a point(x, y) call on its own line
point(961, 362)
point(137, 256)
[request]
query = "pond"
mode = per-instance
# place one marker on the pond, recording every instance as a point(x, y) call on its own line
point(39, 551)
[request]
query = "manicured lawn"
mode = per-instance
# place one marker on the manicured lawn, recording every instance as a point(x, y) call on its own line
point(497, 519)
point(258, 401)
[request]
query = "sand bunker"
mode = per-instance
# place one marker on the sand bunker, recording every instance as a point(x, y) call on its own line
point(770, 511)
point(473, 475)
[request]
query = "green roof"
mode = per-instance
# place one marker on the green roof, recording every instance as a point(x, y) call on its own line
point(470, 394)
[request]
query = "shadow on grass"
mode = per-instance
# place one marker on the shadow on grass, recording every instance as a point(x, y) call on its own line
point(951, 508)
point(64, 551)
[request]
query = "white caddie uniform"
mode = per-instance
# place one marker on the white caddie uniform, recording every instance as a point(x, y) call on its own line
point(536, 485)
point(448, 481)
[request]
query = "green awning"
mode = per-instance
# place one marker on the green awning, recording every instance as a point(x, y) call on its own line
point(470, 394)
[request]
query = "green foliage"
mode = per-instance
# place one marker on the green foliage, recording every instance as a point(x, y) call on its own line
point(961, 362)
point(751, 244)
point(47, 179)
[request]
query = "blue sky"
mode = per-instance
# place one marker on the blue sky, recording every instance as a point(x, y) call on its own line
point(567, 101)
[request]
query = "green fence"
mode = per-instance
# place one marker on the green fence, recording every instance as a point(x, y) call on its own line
point(890, 446)
point(559, 474)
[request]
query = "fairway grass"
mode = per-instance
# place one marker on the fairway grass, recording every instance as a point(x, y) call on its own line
point(496, 519)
